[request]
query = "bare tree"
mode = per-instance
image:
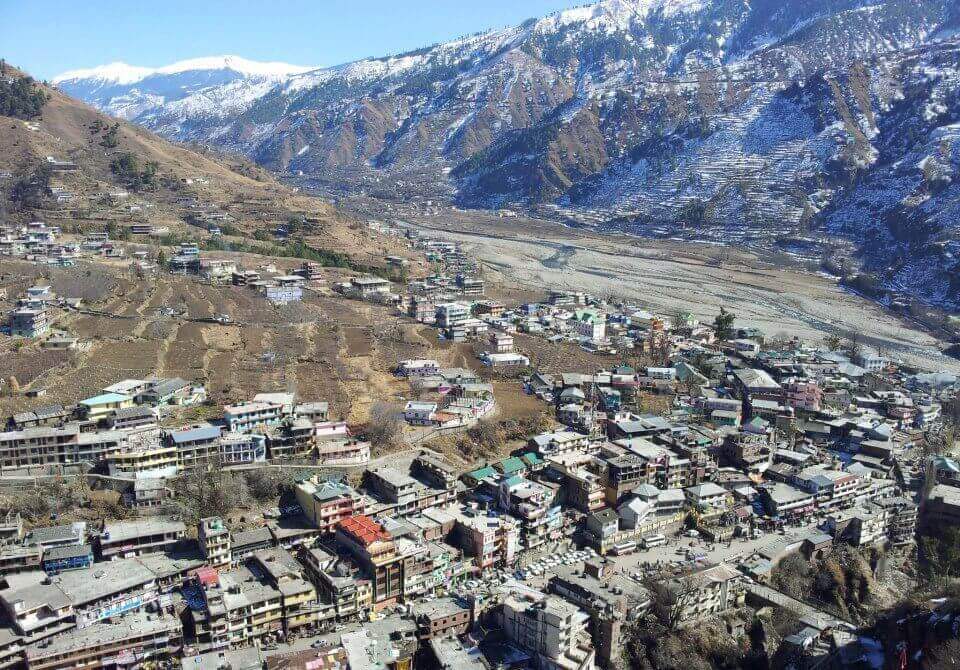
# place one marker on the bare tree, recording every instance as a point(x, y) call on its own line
point(385, 427)
point(417, 389)
point(488, 434)
point(832, 342)
point(853, 347)
point(671, 596)
point(263, 485)
point(209, 490)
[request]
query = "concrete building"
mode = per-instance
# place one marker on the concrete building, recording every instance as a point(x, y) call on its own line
point(29, 321)
point(244, 417)
point(440, 618)
point(327, 503)
point(941, 508)
point(124, 539)
point(373, 547)
point(550, 628)
point(214, 539)
point(490, 540)
point(135, 641)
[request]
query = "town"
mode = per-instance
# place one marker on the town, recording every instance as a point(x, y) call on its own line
point(686, 481)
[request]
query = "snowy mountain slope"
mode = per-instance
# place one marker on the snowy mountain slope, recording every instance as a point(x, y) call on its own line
point(216, 86)
point(747, 120)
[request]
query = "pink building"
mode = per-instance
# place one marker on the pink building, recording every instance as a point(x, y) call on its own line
point(805, 394)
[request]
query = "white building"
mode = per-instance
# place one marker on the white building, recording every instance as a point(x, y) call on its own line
point(418, 413)
point(549, 627)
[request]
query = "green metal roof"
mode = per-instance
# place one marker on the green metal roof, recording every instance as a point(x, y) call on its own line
point(531, 458)
point(480, 473)
point(511, 465)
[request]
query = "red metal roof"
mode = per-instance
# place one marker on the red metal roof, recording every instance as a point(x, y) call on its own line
point(207, 576)
point(364, 529)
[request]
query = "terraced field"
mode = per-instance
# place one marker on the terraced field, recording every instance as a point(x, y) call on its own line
point(311, 347)
point(325, 348)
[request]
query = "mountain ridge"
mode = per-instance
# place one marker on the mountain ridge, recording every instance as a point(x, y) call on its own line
point(722, 120)
point(187, 183)
point(120, 72)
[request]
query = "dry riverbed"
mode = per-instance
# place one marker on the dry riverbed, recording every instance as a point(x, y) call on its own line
point(669, 276)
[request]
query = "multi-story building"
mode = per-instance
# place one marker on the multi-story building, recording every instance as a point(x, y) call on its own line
point(198, 446)
point(715, 590)
point(549, 627)
point(132, 538)
point(584, 487)
point(440, 618)
point(16, 558)
point(336, 446)
point(293, 438)
point(339, 582)
point(72, 557)
point(748, 451)
point(136, 641)
point(787, 501)
point(859, 526)
point(104, 405)
point(902, 519)
point(394, 487)
point(373, 547)
point(590, 324)
point(298, 598)
point(756, 385)
point(33, 447)
point(240, 608)
point(532, 505)
point(242, 448)
point(327, 503)
point(451, 314)
point(434, 471)
point(245, 416)
point(214, 538)
point(66, 535)
point(490, 540)
point(560, 442)
point(664, 468)
point(142, 458)
point(470, 286)
point(832, 489)
point(611, 598)
point(709, 498)
point(602, 528)
point(41, 608)
point(941, 509)
point(29, 321)
point(803, 394)
point(147, 492)
point(624, 473)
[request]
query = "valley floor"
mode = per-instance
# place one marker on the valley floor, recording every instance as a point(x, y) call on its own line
point(667, 277)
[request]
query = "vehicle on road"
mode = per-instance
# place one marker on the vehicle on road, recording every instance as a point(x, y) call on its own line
point(654, 541)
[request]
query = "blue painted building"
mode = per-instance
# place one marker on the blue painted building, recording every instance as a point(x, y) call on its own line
point(61, 559)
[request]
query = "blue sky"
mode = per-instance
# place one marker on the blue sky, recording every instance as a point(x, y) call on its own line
point(46, 37)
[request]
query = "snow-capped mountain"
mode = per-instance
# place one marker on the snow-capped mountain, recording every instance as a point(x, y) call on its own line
point(798, 125)
point(184, 92)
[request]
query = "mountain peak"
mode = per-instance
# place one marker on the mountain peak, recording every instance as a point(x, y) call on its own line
point(617, 14)
point(117, 72)
point(122, 73)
